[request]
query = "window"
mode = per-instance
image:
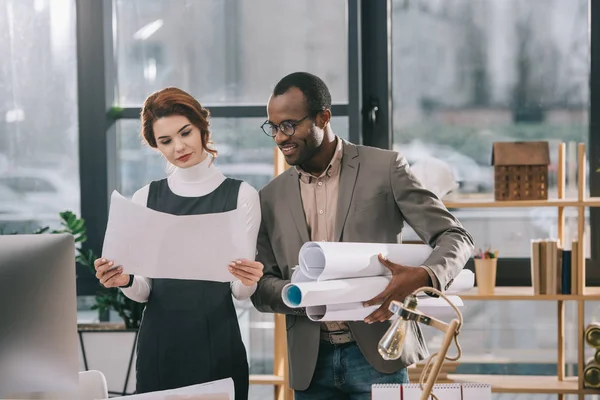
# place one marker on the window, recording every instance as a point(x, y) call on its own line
point(468, 73)
point(228, 52)
point(28, 185)
point(39, 163)
point(12, 216)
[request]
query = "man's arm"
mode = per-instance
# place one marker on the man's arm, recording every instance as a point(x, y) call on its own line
point(435, 225)
point(267, 297)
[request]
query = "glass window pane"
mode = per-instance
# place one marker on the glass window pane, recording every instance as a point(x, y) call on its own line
point(498, 336)
point(469, 73)
point(258, 335)
point(228, 52)
point(39, 163)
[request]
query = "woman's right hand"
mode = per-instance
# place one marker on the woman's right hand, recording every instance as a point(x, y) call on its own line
point(108, 277)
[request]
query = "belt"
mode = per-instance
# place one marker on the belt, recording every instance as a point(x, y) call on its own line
point(337, 337)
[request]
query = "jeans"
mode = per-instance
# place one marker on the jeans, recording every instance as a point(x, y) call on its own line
point(342, 372)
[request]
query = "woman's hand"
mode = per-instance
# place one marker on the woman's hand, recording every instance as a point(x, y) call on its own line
point(108, 277)
point(248, 272)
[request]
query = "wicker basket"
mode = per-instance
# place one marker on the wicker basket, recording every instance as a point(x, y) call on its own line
point(520, 170)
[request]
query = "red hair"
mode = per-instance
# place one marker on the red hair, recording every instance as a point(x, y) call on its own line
point(173, 101)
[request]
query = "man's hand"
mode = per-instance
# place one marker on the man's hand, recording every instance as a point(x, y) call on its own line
point(248, 272)
point(404, 281)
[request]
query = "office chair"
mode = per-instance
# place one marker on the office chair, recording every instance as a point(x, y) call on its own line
point(92, 385)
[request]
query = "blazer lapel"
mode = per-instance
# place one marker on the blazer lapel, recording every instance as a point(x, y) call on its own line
point(295, 203)
point(348, 174)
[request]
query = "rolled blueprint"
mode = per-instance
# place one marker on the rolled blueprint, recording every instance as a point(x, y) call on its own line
point(433, 307)
point(340, 291)
point(322, 261)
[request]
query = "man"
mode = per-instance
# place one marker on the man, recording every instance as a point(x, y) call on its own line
point(337, 191)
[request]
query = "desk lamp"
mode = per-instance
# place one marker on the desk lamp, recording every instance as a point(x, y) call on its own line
point(392, 343)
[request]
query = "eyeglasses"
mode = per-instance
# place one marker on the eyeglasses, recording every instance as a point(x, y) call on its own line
point(288, 128)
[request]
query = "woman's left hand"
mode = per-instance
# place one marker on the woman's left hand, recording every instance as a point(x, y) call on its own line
point(248, 272)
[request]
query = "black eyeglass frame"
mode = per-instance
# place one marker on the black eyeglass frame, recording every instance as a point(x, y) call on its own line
point(276, 128)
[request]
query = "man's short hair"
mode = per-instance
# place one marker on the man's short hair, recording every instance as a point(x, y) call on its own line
point(314, 89)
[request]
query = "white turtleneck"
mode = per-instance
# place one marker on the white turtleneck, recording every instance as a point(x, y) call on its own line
point(196, 181)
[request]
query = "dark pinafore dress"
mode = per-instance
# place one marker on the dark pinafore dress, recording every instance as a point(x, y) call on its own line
point(189, 332)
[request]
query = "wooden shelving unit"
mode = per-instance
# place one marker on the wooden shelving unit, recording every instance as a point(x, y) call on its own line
point(267, 380)
point(559, 384)
point(526, 293)
point(522, 383)
point(485, 203)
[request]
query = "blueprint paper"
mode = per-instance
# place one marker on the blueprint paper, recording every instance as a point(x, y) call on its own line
point(337, 291)
point(160, 245)
point(353, 290)
point(322, 261)
point(433, 307)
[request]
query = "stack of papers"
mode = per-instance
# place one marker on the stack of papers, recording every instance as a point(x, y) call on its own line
point(333, 279)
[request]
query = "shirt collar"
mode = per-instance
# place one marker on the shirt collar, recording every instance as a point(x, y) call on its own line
point(332, 169)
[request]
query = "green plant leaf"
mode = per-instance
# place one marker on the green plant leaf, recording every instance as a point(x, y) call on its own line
point(78, 224)
point(80, 238)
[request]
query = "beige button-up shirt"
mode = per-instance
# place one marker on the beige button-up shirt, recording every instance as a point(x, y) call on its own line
point(319, 200)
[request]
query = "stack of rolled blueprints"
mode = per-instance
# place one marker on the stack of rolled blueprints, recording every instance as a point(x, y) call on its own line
point(333, 279)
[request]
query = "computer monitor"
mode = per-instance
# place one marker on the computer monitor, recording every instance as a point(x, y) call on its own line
point(38, 316)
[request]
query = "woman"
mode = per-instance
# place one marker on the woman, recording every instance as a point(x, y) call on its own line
point(189, 333)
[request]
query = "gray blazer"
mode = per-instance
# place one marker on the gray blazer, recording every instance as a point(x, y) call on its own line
point(377, 193)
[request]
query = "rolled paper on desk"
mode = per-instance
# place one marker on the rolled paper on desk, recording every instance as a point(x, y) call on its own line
point(323, 261)
point(433, 307)
point(340, 291)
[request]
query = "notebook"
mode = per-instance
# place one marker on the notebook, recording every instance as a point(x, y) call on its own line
point(444, 391)
point(476, 391)
point(449, 391)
